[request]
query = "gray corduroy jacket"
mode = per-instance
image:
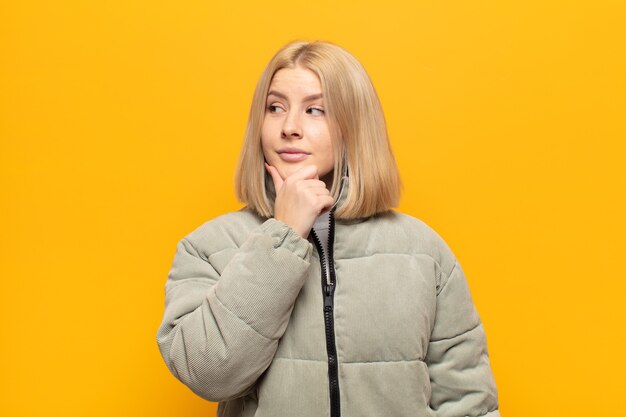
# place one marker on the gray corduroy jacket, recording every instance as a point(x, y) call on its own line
point(252, 321)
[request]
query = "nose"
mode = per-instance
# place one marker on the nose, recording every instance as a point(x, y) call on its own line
point(292, 127)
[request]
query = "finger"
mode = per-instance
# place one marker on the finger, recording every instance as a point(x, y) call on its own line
point(311, 183)
point(318, 189)
point(276, 178)
point(326, 202)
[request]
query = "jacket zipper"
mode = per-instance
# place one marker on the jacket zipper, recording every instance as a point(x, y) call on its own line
point(328, 292)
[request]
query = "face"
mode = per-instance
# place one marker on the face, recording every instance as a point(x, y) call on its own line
point(295, 128)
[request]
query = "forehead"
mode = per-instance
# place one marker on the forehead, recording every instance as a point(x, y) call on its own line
point(296, 81)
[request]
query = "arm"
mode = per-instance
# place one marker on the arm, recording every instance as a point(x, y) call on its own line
point(457, 358)
point(220, 333)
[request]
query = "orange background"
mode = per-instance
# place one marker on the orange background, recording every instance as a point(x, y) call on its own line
point(121, 123)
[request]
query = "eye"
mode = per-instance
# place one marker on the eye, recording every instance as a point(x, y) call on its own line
point(273, 108)
point(315, 109)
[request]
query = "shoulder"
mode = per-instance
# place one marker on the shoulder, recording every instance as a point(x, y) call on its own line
point(396, 232)
point(227, 231)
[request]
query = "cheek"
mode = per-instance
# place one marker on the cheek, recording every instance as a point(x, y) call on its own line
point(271, 127)
point(321, 136)
point(328, 145)
point(265, 140)
point(326, 153)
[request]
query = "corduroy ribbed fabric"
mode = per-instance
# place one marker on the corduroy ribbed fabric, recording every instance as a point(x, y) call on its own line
point(244, 325)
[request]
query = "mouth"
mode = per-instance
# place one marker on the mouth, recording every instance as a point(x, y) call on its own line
point(290, 154)
point(293, 156)
point(292, 149)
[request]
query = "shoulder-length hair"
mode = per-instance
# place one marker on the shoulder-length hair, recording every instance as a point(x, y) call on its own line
point(358, 133)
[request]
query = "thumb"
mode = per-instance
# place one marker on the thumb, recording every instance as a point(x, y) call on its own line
point(278, 181)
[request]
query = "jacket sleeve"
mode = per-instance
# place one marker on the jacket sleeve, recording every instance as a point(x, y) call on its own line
point(220, 332)
point(457, 358)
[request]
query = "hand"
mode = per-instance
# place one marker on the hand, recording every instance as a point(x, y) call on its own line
point(300, 198)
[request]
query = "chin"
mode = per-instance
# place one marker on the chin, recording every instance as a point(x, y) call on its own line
point(286, 171)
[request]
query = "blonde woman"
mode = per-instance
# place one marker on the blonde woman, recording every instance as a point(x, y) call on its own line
point(316, 298)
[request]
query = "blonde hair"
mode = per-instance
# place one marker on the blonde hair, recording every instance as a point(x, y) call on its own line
point(358, 131)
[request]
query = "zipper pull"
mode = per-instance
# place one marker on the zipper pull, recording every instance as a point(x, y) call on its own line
point(328, 295)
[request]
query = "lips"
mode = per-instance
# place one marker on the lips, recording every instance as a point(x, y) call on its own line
point(291, 149)
point(291, 154)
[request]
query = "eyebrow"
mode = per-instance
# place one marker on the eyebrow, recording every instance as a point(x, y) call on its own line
point(281, 95)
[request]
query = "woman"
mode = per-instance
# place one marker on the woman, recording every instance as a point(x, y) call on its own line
point(316, 298)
